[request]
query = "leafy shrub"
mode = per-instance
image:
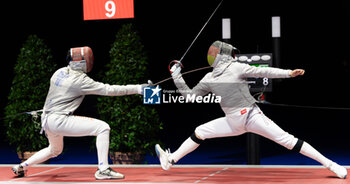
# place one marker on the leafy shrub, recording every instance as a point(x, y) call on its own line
point(32, 72)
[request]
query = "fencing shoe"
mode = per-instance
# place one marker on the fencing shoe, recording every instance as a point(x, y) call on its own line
point(19, 170)
point(163, 157)
point(340, 171)
point(108, 174)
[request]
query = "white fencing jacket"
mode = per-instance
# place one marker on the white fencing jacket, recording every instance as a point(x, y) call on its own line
point(68, 88)
point(229, 80)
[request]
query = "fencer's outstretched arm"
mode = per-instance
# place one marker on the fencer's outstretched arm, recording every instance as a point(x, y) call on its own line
point(269, 72)
point(91, 87)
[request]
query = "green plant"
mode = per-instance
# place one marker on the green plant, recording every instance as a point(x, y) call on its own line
point(134, 126)
point(32, 72)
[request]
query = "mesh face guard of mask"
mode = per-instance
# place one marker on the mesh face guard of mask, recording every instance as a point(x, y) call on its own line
point(81, 58)
point(219, 47)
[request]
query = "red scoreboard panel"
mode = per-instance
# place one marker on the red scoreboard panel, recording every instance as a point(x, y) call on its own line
point(108, 9)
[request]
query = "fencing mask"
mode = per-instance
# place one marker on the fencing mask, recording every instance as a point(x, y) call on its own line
point(81, 58)
point(218, 50)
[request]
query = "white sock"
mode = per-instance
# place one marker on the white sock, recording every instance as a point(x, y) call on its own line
point(38, 157)
point(102, 145)
point(186, 147)
point(311, 152)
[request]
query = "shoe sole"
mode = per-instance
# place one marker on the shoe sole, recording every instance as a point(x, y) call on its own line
point(109, 178)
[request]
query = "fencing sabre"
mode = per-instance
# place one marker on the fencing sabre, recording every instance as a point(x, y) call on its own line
point(201, 30)
point(194, 40)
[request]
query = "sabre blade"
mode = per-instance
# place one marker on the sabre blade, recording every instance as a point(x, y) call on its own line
point(201, 30)
point(180, 61)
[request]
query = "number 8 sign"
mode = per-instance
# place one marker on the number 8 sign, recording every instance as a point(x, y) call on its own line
point(108, 9)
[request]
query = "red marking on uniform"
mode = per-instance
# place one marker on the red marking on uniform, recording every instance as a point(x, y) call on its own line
point(243, 111)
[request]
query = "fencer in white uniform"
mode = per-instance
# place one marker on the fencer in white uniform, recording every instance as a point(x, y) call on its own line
point(228, 80)
point(68, 87)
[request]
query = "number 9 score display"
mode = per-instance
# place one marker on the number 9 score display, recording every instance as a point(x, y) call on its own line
point(108, 9)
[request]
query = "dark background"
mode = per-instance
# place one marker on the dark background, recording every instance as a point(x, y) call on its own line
point(315, 37)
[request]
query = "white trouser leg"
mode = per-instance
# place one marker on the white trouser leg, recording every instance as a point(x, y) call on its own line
point(216, 128)
point(53, 150)
point(77, 126)
point(222, 127)
point(260, 124)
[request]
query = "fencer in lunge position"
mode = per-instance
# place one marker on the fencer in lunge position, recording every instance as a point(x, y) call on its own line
point(68, 87)
point(228, 80)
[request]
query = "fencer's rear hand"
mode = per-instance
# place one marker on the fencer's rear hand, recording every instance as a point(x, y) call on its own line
point(297, 72)
point(175, 70)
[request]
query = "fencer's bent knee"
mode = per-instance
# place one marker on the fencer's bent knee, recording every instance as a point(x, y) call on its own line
point(106, 127)
point(103, 128)
point(195, 138)
point(198, 133)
